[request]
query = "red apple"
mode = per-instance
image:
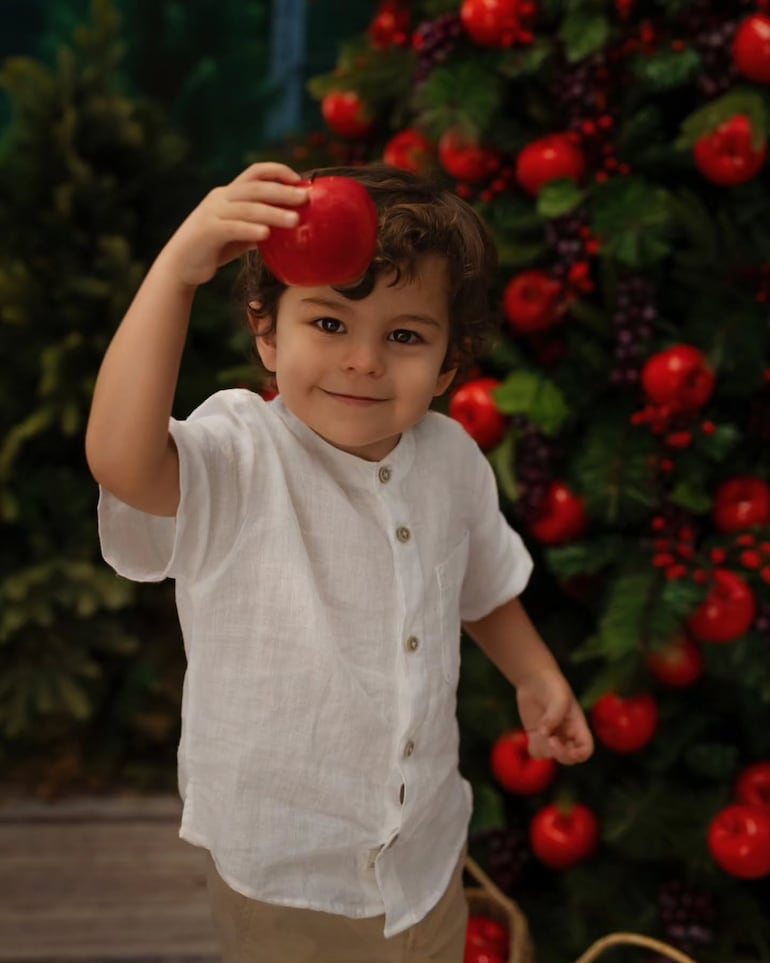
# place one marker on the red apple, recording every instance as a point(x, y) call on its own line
point(531, 301)
point(334, 241)
point(741, 503)
point(346, 114)
point(409, 150)
point(548, 159)
point(739, 840)
point(485, 935)
point(561, 518)
point(728, 156)
point(514, 768)
point(679, 378)
point(464, 159)
point(677, 664)
point(625, 725)
point(474, 407)
point(753, 785)
point(727, 612)
point(751, 48)
point(562, 836)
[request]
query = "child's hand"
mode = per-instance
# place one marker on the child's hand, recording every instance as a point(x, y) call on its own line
point(232, 219)
point(553, 719)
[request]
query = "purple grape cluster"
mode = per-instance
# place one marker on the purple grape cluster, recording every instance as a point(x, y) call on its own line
point(688, 916)
point(575, 87)
point(633, 325)
point(533, 466)
point(435, 41)
point(711, 33)
point(566, 236)
point(762, 621)
point(507, 855)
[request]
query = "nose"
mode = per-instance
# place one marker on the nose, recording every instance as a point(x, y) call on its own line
point(363, 356)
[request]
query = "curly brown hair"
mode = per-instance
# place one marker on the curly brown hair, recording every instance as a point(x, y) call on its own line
point(416, 217)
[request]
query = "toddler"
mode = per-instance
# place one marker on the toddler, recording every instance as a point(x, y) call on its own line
point(327, 546)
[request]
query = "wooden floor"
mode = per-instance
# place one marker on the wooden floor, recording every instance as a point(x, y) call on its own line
point(106, 880)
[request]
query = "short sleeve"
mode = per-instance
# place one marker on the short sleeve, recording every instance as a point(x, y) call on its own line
point(217, 447)
point(499, 565)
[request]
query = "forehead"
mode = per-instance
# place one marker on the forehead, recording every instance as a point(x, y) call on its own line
point(425, 288)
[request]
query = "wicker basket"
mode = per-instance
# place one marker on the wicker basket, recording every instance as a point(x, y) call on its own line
point(488, 900)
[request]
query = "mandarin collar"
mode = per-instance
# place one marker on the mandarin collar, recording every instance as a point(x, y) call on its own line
point(345, 466)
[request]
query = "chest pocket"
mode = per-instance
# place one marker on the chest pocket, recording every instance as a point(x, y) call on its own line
point(450, 574)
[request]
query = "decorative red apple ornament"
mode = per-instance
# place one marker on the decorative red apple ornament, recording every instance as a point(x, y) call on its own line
point(741, 503)
point(463, 158)
point(334, 240)
point(474, 407)
point(390, 26)
point(625, 725)
point(751, 48)
point(486, 941)
point(677, 664)
point(679, 378)
point(753, 785)
point(561, 516)
point(548, 159)
point(497, 23)
point(727, 612)
point(346, 114)
point(531, 301)
point(728, 156)
point(514, 768)
point(739, 840)
point(563, 835)
point(409, 150)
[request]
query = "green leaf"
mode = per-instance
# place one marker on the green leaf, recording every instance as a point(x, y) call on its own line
point(488, 809)
point(692, 496)
point(742, 100)
point(517, 62)
point(502, 460)
point(465, 95)
point(715, 760)
point(633, 220)
point(525, 393)
point(585, 558)
point(666, 70)
point(559, 197)
point(583, 33)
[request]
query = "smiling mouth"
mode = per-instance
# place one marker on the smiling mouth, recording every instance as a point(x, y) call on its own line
point(353, 399)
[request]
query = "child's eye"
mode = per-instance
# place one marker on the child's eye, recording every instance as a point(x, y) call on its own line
point(402, 336)
point(329, 325)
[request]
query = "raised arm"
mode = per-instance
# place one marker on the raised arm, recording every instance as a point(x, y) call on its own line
point(128, 446)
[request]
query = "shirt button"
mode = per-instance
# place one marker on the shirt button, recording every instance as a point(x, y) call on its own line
point(409, 748)
point(403, 534)
point(384, 474)
point(412, 643)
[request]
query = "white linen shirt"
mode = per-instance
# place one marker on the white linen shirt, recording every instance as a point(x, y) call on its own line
point(320, 598)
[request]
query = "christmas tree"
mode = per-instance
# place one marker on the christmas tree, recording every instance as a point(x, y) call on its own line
point(618, 152)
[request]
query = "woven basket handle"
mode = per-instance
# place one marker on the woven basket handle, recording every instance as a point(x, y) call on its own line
point(481, 877)
point(632, 939)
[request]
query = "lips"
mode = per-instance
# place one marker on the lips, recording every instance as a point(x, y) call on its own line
point(353, 399)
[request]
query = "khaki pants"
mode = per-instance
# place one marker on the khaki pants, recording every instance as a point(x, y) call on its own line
point(254, 932)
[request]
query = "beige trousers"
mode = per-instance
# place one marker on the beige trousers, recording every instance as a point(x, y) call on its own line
point(254, 932)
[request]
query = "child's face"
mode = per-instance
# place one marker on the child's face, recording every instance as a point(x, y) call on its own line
point(359, 373)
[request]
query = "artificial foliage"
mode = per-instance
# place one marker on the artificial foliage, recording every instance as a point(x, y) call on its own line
point(617, 150)
point(92, 181)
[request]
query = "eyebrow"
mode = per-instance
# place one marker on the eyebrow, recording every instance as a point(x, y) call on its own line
point(341, 305)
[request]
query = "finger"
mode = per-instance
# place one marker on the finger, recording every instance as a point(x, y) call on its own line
point(260, 214)
point(268, 192)
point(270, 171)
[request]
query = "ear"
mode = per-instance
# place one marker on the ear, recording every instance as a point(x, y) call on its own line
point(443, 381)
point(266, 350)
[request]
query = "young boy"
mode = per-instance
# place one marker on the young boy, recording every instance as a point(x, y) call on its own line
point(326, 547)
